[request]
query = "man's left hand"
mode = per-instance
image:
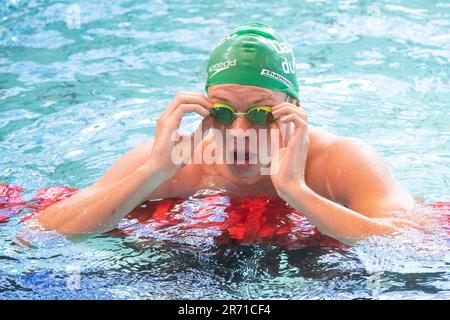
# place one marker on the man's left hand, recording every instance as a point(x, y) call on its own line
point(289, 160)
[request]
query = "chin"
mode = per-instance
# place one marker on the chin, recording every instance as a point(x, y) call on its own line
point(251, 172)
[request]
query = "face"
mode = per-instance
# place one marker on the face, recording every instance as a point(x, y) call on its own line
point(238, 141)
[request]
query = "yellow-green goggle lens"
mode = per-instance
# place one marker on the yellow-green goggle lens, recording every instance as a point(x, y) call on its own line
point(223, 113)
point(258, 115)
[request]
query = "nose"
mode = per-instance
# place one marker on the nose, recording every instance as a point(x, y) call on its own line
point(239, 129)
point(240, 132)
point(241, 123)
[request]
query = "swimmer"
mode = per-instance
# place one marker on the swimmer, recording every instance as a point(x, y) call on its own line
point(341, 184)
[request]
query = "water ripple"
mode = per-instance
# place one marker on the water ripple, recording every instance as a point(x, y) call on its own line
point(73, 98)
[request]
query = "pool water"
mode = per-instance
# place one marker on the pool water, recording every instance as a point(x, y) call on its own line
point(83, 82)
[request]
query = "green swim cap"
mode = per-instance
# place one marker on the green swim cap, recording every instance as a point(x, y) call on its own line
point(254, 55)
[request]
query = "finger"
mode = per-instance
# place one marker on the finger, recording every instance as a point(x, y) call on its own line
point(204, 125)
point(275, 160)
point(289, 131)
point(187, 108)
point(284, 104)
point(287, 128)
point(198, 135)
point(192, 107)
point(207, 122)
point(296, 130)
point(284, 131)
point(299, 138)
point(173, 121)
point(278, 127)
point(281, 105)
point(286, 110)
point(195, 139)
point(287, 105)
point(185, 98)
point(192, 93)
point(293, 118)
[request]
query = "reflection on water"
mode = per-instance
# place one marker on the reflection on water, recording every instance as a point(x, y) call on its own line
point(157, 259)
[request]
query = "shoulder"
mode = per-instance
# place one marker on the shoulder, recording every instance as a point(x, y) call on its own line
point(363, 179)
point(343, 161)
point(338, 148)
point(327, 146)
point(320, 140)
point(353, 152)
point(357, 176)
point(353, 155)
point(354, 168)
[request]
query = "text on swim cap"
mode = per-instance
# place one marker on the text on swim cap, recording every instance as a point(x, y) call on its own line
point(220, 66)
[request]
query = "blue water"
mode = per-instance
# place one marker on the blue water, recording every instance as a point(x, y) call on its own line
point(77, 91)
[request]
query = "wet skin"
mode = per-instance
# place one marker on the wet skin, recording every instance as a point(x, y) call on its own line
point(340, 184)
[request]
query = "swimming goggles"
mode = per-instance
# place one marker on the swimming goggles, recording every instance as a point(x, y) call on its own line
point(225, 114)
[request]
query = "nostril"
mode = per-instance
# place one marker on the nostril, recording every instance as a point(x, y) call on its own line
point(238, 133)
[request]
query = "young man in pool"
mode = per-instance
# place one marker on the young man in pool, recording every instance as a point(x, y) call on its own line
point(339, 183)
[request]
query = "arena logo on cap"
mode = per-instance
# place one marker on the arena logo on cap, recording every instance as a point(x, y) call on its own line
point(220, 66)
point(276, 76)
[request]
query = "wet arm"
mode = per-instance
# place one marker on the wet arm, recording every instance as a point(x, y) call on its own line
point(99, 207)
point(365, 190)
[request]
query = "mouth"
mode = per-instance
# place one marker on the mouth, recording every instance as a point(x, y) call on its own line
point(243, 159)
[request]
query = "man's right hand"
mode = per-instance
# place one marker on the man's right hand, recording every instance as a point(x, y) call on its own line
point(166, 129)
point(99, 207)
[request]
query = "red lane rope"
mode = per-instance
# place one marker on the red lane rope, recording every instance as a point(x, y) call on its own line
point(11, 201)
point(248, 220)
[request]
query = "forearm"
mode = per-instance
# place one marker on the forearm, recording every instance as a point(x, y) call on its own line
point(99, 209)
point(334, 219)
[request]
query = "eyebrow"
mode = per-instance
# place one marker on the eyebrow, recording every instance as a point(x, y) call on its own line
point(252, 104)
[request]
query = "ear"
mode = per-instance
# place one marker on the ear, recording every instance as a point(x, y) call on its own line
point(289, 99)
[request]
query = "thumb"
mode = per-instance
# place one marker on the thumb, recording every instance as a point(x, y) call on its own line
point(198, 135)
point(187, 144)
point(278, 154)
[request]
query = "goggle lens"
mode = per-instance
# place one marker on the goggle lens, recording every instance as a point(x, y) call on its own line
point(222, 114)
point(260, 116)
point(257, 115)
